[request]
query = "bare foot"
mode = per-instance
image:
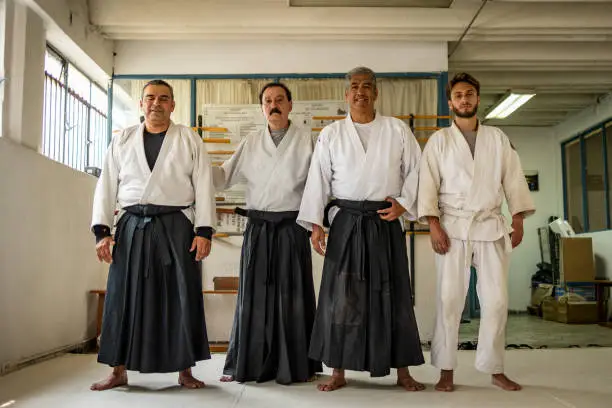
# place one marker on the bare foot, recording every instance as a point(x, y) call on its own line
point(336, 382)
point(505, 383)
point(314, 378)
point(445, 383)
point(118, 378)
point(187, 380)
point(227, 378)
point(404, 379)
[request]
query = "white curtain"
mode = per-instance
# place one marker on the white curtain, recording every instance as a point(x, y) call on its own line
point(405, 96)
point(306, 89)
point(228, 92)
point(397, 96)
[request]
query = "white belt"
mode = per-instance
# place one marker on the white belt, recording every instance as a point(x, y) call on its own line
point(477, 216)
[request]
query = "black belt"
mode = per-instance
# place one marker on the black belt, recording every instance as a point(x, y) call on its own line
point(274, 217)
point(157, 239)
point(152, 210)
point(363, 208)
point(270, 220)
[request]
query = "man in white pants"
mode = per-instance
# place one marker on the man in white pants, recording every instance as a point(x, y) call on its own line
point(466, 170)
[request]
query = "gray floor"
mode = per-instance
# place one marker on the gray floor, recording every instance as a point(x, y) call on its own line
point(567, 378)
point(535, 332)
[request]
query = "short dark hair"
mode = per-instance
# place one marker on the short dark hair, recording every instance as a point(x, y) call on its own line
point(462, 77)
point(157, 82)
point(271, 85)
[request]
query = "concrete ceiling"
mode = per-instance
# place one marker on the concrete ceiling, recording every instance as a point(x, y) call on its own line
point(561, 49)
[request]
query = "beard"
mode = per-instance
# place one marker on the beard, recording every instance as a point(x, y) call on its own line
point(466, 114)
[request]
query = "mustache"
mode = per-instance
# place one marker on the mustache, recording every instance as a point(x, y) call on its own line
point(275, 110)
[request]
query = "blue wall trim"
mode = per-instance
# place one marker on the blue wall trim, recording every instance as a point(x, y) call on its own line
point(194, 101)
point(585, 195)
point(442, 102)
point(606, 181)
point(564, 178)
point(286, 75)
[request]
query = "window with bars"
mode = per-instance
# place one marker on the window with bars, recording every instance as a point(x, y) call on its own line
point(587, 174)
point(74, 117)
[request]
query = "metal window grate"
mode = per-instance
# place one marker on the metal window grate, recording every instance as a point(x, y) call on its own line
point(74, 131)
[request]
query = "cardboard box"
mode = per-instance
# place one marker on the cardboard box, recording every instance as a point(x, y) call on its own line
point(577, 263)
point(580, 312)
point(549, 309)
point(225, 282)
point(569, 312)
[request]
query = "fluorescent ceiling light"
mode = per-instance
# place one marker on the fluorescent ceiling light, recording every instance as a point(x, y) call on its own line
point(508, 104)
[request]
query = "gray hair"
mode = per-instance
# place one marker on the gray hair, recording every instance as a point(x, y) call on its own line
point(360, 71)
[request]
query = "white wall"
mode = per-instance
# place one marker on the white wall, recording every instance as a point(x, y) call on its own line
point(24, 56)
point(272, 57)
point(68, 29)
point(47, 256)
point(584, 119)
point(538, 150)
point(602, 243)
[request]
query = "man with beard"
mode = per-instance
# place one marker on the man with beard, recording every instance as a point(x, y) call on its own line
point(369, 163)
point(466, 171)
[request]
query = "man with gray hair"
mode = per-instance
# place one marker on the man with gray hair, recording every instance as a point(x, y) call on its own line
point(369, 164)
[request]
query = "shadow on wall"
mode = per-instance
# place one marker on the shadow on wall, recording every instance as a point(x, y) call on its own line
point(600, 267)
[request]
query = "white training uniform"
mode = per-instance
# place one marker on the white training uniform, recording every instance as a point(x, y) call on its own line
point(466, 192)
point(344, 168)
point(275, 176)
point(182, 176)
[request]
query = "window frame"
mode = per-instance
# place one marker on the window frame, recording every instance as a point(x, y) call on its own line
point(581, 137)
point(84, 156)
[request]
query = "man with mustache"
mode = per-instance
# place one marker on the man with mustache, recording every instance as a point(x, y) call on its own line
point(466, 171)
point(158, 175)
point(369, 163)
point(276, 300)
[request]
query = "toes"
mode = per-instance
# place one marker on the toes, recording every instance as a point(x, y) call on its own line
point(445, 388)
point(328, 387)
point(411, 385)
point(191, 383)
